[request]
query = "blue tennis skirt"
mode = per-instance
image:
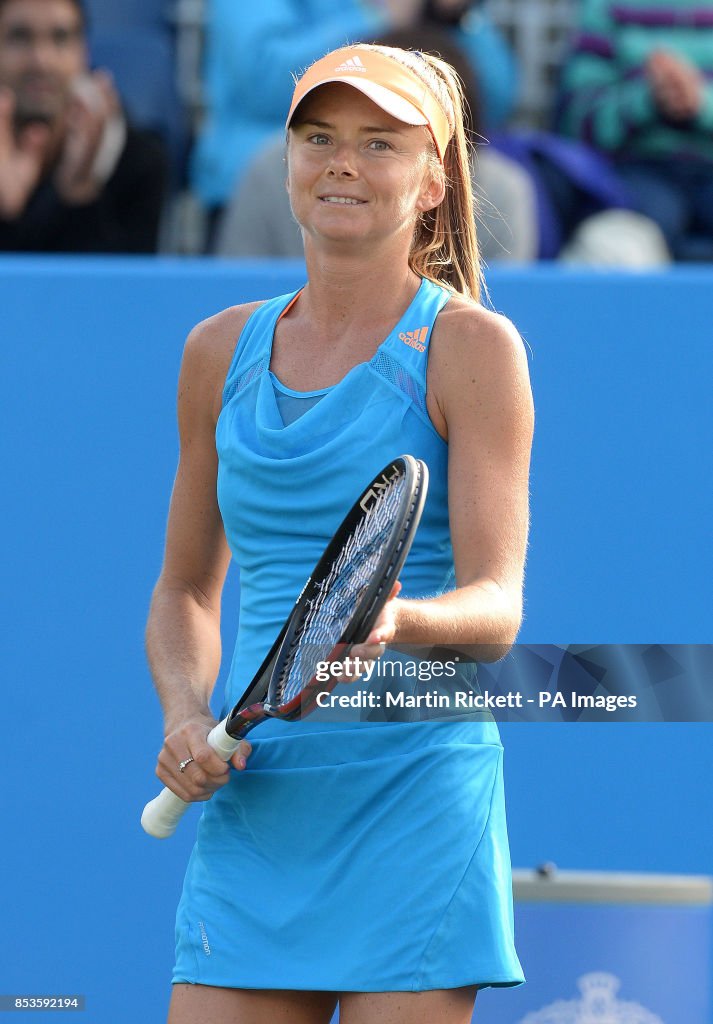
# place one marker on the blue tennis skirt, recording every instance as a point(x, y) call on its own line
point(354, 858)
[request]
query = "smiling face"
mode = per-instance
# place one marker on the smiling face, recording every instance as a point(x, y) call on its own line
point(42, 52)
point(355, 173)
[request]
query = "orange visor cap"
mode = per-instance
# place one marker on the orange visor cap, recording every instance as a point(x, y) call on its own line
point(387, 82)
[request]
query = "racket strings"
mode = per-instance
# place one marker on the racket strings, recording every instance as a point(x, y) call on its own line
point(338, 596)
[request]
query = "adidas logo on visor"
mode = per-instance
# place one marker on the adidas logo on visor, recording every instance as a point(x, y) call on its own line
point(352, 64)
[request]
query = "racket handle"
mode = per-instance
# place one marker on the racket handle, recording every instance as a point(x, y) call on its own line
point(162, 814)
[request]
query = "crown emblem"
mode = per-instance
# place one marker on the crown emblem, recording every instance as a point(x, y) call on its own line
point(598, 1005)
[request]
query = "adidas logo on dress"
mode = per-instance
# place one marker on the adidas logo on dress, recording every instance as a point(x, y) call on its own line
point(416, 339)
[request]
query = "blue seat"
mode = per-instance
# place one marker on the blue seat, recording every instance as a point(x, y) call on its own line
point(115, 14)
point(142, 62)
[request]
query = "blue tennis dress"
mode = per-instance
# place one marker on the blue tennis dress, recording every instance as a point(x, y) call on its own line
point(352, 855)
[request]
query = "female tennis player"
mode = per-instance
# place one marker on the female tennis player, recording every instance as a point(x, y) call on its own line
point(359, 862)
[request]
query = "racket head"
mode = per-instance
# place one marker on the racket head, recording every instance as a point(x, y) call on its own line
point(350, 584)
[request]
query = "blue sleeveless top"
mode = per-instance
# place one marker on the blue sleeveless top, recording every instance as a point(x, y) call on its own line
point(283, 490)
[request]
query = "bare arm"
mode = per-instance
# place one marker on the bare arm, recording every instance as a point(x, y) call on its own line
point(480, 401)
point(183, 630)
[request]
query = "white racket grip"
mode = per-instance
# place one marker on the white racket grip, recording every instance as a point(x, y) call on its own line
point(162, 814)
point(222, 743)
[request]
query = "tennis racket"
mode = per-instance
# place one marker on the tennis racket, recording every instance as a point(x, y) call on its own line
point(337, 608)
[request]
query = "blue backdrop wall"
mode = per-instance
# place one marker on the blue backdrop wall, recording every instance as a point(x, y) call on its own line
point(620, 553)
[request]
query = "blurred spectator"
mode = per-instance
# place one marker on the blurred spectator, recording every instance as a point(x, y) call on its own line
point(253, 49)
point(258, 222)
point(637, 86)
point(74, 177)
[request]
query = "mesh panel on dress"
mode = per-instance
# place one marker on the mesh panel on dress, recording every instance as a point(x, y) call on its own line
point(246, 378)
point(397, 375)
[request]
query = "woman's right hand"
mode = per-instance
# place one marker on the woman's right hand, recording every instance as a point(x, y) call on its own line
point(206, 772)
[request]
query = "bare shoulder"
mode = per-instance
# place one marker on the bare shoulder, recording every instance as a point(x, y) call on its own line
point(208, 352)
point(468, 334)
point(478, 358)
point(212, 342)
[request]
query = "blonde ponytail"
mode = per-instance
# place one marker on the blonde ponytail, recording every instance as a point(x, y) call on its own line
point(445, 244)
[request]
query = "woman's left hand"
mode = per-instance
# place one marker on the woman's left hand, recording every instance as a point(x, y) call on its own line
point(383, 631)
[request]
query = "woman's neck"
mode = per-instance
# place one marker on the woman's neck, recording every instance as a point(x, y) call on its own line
point(347, 290)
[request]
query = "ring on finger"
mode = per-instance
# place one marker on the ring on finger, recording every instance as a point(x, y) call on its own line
point(184, 764)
